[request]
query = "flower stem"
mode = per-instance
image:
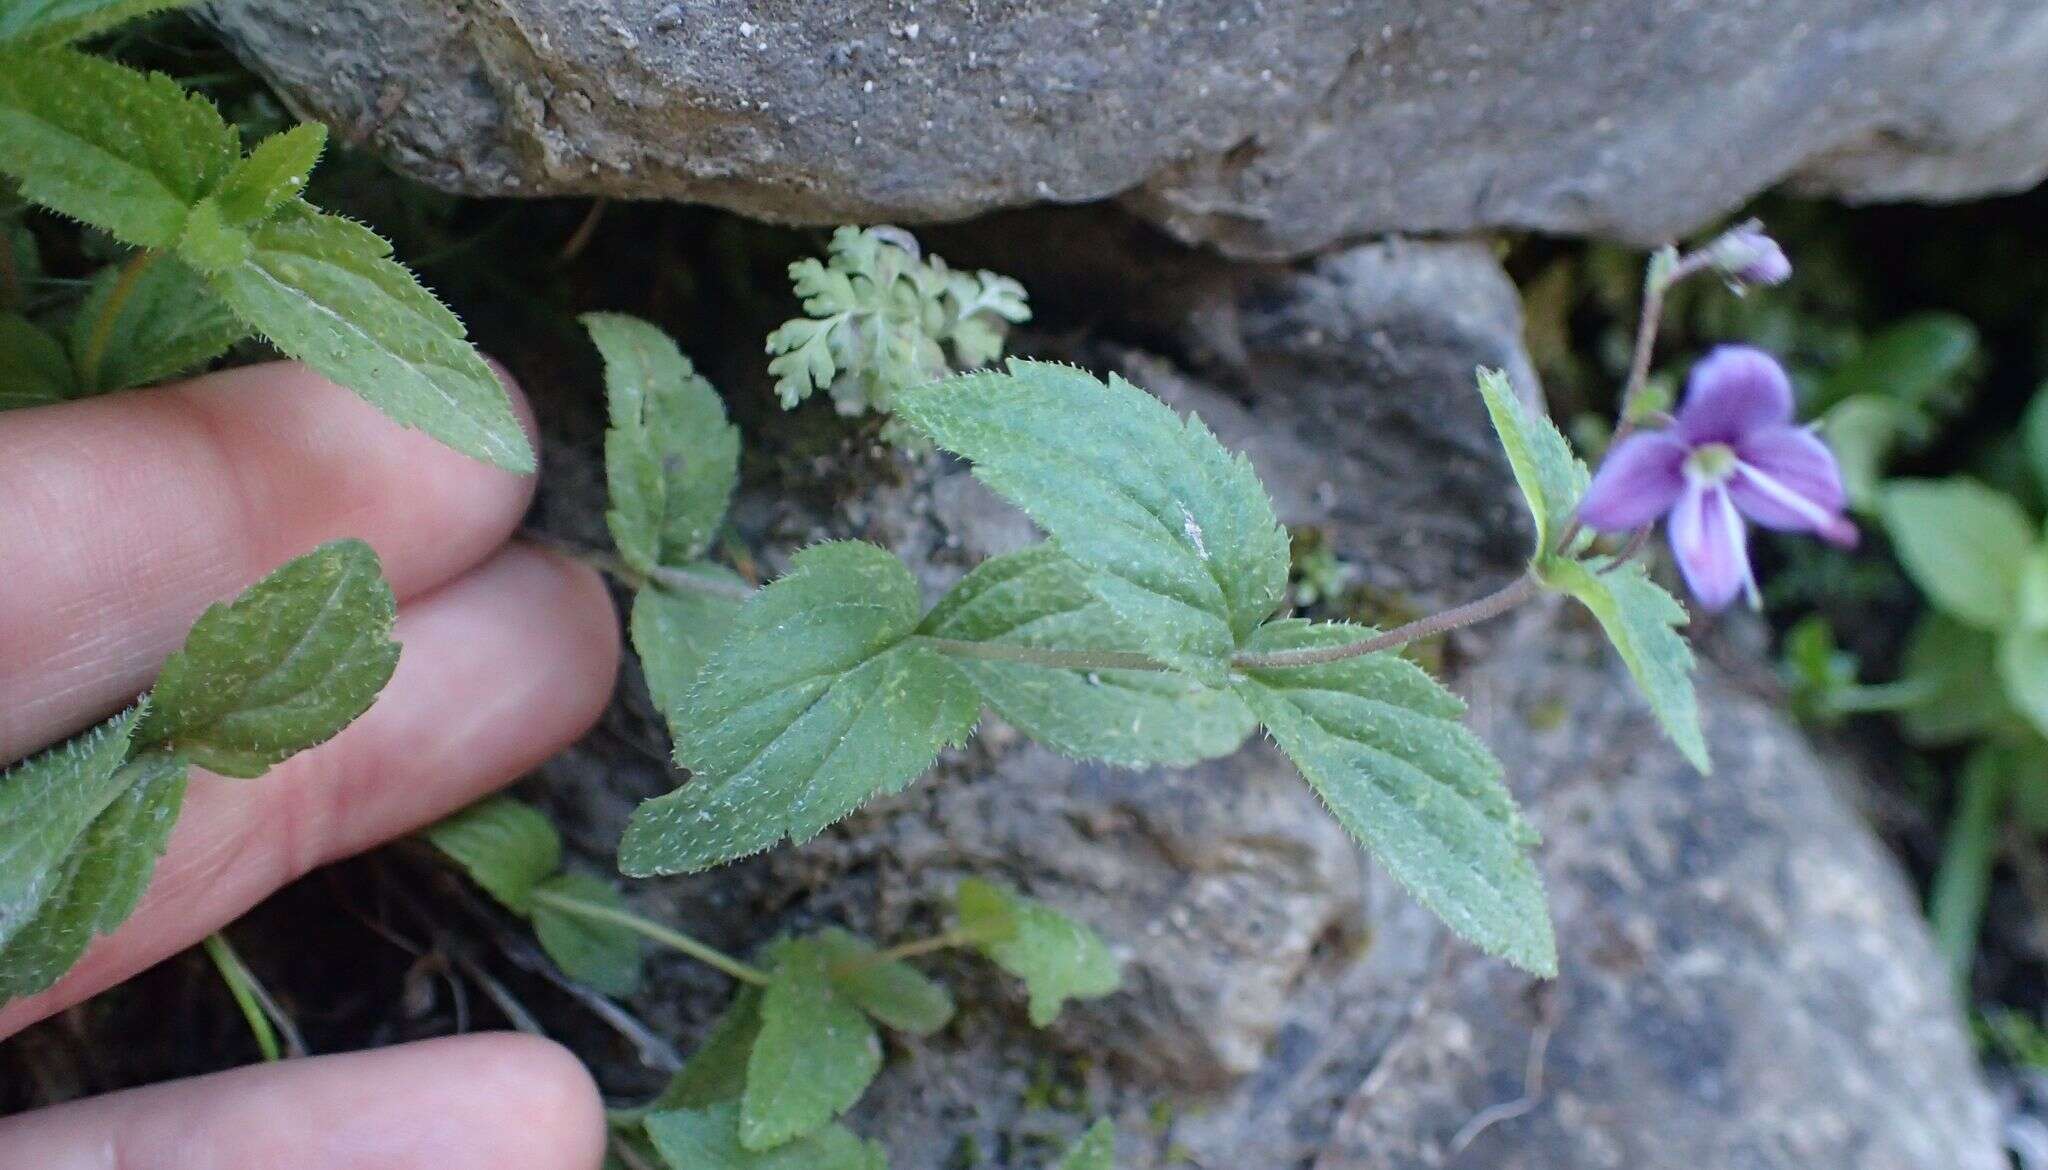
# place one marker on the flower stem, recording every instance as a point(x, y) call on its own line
point(675, 940)
point(1492, 605)
point(103, 325)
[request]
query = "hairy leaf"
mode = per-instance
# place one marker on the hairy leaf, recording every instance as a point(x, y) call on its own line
point(671, 458)
point(33, 368)
point(126, 152)
point(1380, 742)
point(1552, 479)
point(1096, 1149)
point(1057, 958)
point(1962, 543)
point(1177, 533)
point(717, 1070)
point(56, 22)
point(138, 327)
point(1642, 621)
point(104, 878)
point(675, 632)
point(1038, 597)
point(326, 291)
point(892, 991)
point(281, 668)
point(815, 703)
point(604, 955)
point(709, 1139)
point(272, 175)
point(505, 846)
point(814, 1056)
point(47, 803)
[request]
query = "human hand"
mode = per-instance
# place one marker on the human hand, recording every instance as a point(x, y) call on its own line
point(126, 517)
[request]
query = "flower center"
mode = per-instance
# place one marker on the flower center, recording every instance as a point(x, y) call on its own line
point(1711, 462)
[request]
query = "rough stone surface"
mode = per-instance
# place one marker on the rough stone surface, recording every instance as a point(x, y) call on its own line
point(1264, 127)
point(1746, 981)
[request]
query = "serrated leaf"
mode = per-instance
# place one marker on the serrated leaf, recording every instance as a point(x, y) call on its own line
point(1962, 543)
point(1380, 741)
point(33, 368)
point(56, 22)
point(708, 1139)
point(1096, 1149)
point(1642, 621)
point(604, 955)
point(326, 291)
point(1038, 597)
point(505, 846)
point(675, 632)
point(671, 458)
point(138, 328)
point(1177, 534)
point(892, 991)
point(815, 1054)
point(815, 704)
point(717, 1070)
point(103, 880)
point(282, 668)
point(1951, 664)
point(1057, 957)
point(271, 175)
point(1552, 479)
point(47, 803)
point(123, 151)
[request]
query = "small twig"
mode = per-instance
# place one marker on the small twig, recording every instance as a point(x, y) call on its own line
point(1532, 1091)
point(497, 993)
point(654, 1051)
point(580, 238)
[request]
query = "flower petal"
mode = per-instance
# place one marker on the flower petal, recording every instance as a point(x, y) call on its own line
point(1710, 545)
point(1787, 479)
point(1638, 482)
point(1733, 391)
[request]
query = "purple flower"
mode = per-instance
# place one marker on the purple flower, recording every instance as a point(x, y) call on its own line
point(1733, 451)
point(1746, 256)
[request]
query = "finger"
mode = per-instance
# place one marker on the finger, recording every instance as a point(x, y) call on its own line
point(126, 516)
point(500, 670)
point(504, 1102)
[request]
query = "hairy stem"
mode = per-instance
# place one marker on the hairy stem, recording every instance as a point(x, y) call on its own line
point(103, 325)
point(675, 940)
point(1492, 605)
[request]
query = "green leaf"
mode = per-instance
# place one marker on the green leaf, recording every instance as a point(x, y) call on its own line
point(709, 1139)
point(674, 633)
point(1962, 543)
point(138, 327)
point(210, 243)
point(104, 879)
point(504, 845)
point(604, 955)
point(1952, 664)
point(47, 803)
point(671, 458)
point(1911, 362)
point(1642, 621)
point(815, 703)
point(2023, 669)
point(2030, 600)
point(2034, 434)
point(56, 22)
point(272, 175)
point(717, 1070)
point(33, 368)
point(280, 669)
point(21, 261)
point(890, 990)
point(815, 1055)
point(1096, 1149)
point(326, 291)
point(125, 152)
point(1057, 957)
point(1862, 430)
point(1177, 533)
point(1552, 479)
point(1038, 597)
point(1379, 740)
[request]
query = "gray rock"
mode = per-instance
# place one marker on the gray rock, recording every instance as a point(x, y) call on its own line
point(1264, 127)
point(1745, 976)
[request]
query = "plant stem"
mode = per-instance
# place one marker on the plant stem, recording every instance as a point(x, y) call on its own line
point(103, 324)
point(675, 940)
point(248, 995)
point(1956, 905)
point(661, 576)
point(1492, 605)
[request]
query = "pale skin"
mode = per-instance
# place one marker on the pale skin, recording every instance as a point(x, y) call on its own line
point(124, 518)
